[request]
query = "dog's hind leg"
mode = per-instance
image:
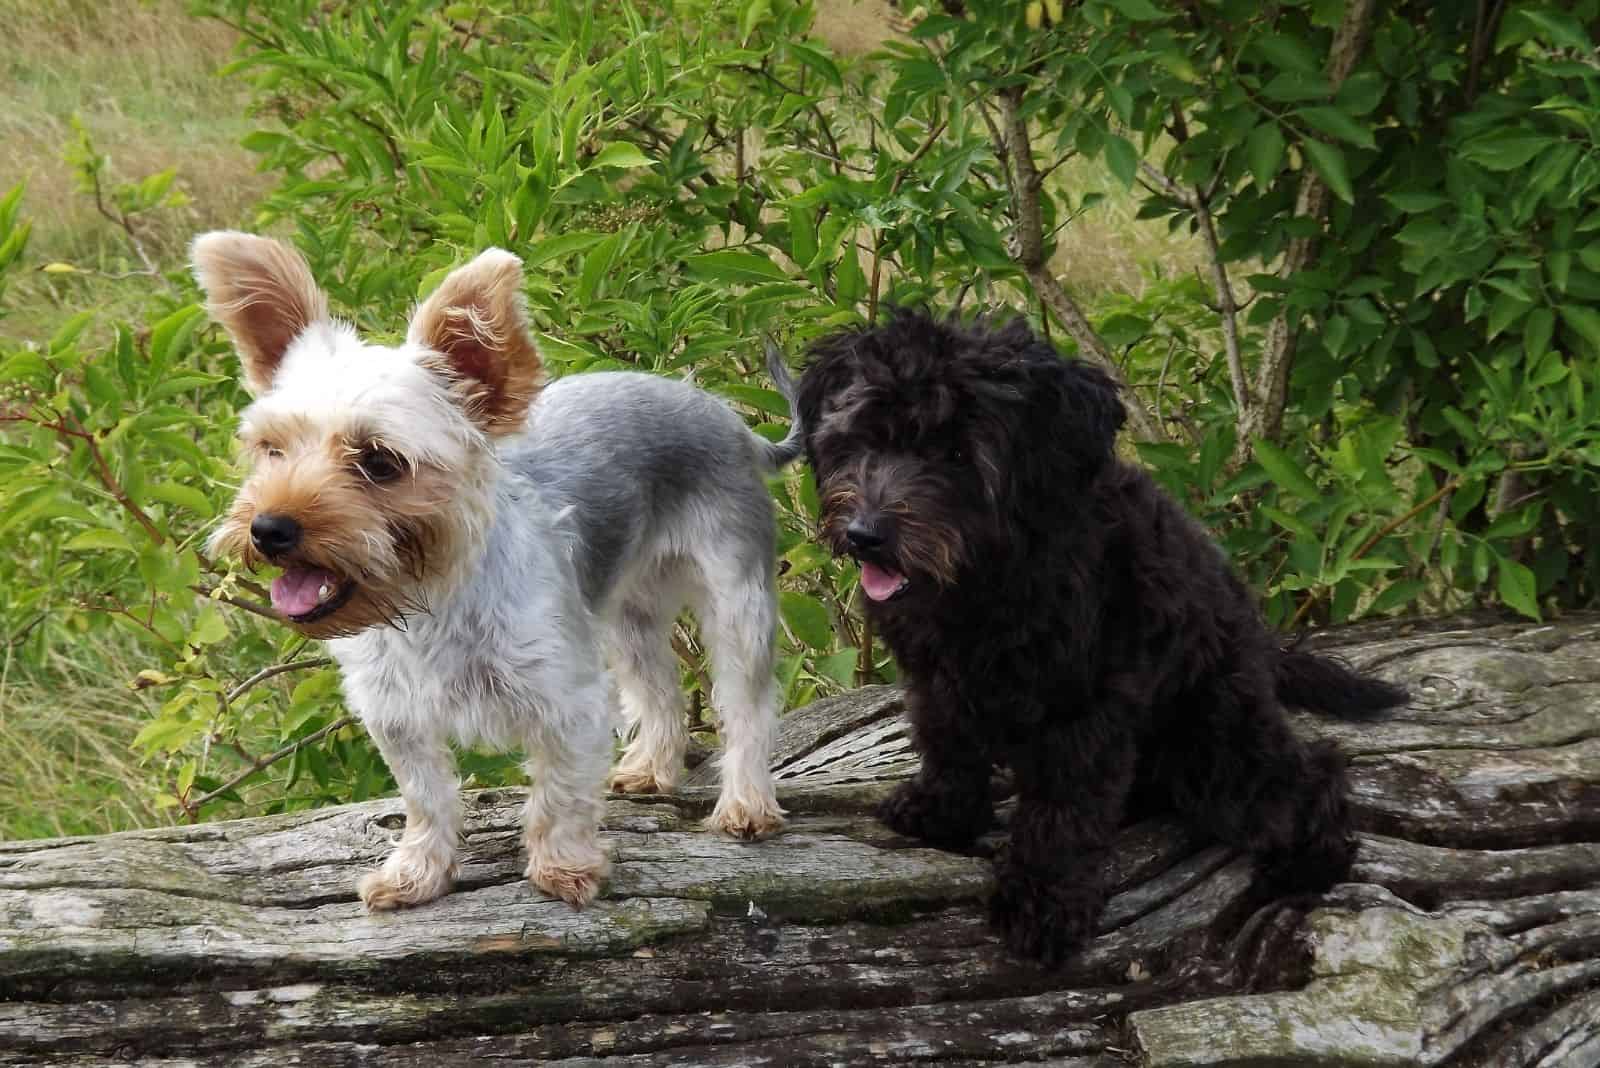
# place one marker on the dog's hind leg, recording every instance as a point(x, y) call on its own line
point(738, 615)
point(947, 802)
point(1236, 770)
point(423, 864)
point(567, 761)
point(652, 702)
point(1072, 784)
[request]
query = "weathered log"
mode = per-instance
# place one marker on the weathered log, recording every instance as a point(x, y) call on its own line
point(1469, 934)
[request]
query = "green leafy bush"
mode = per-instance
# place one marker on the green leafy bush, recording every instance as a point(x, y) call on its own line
point(1380, 392)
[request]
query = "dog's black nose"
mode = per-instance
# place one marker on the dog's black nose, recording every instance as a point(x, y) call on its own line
point(274, 534)
point(864, 534)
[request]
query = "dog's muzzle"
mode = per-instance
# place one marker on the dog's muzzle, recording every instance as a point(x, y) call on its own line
point(867, 538)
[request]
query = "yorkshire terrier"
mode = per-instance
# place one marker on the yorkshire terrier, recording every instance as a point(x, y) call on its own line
point(483, 553)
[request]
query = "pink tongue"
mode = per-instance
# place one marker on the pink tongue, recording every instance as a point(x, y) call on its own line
point(879, 583)
point(294, 593)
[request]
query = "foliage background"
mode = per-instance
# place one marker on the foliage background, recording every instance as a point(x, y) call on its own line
point(1340, 253)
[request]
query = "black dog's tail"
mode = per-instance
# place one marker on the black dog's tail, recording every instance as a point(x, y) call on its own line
point(1310, 681)
point(793, 444)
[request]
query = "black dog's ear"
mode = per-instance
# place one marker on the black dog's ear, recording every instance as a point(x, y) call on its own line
point(830, 364)
point(1091, 410)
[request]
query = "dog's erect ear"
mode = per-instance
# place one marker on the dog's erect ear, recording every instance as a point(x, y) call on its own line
point(262, 294)
point(477, 323)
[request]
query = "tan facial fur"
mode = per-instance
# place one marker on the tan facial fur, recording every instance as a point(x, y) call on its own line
point(384, 536)
point(328, 403)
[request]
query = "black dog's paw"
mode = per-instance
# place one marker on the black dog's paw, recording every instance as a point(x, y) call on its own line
point(943, 816)
point(1043, 919)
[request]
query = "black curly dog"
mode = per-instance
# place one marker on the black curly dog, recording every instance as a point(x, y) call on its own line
point(1053, 611)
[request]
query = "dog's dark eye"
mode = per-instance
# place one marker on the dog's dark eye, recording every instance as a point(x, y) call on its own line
point(272, 451)
point(380, 465)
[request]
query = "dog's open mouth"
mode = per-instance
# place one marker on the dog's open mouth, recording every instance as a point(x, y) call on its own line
point(881, 583)
point(307, 594)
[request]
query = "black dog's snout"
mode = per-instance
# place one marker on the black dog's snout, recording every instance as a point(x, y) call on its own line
point(865, 534)
point(274, 534)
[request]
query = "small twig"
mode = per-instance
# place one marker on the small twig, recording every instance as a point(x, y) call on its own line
point(192, 808)
point(812, 106)
point(254, 607)
point(690, 657)
point(1383, 532)
point(277, 669)
point(1227, 305)
point(1014, 147)
point(864, 652)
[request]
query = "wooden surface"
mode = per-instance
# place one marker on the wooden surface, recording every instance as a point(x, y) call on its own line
point(1471, 934)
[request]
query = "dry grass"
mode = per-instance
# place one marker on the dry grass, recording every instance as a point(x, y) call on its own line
point(141, 76)
point(64, 734)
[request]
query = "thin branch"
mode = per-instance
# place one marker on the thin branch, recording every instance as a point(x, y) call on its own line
point(691, 657)
point(122, 221)
point(1015, 148)
point(1383, 532)
point(1228, 307)
point(192, 808)
point(277, 669)
point(812, 106)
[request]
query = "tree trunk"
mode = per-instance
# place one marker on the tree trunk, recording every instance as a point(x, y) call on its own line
point(1265, 418)
point(1470, 932)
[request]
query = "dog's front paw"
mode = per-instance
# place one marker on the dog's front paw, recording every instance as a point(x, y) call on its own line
point(639, 780)
point(749, 817)
point(943, 816)
point(575, 883)
point(1040, 918)
point(408, 877)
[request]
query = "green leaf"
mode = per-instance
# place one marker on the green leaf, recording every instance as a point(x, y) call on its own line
point(1263, 149)
point(766, 400)
point(732, 265)
point(1329, 162)
point(1336, 123)
point(1505, 150)
point(619, 154)
point(1285, 471)
point(1122, 158)
point(1518, 587)
point(840, 667)
point(1560, 29)
point(1416, 203)
point(209, 627)
point(555, 248)
point(1583, 321)
point(807, 618)
point(849, 281)
point(1288, 52)
point(1293, 524)
point(1138, 10)
point(70, 330)
point(818, 62)
point(1396, 596)
point(186, 497)
point(100, 540)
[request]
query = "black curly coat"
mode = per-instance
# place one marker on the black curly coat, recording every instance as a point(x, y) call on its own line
point(1053, 611)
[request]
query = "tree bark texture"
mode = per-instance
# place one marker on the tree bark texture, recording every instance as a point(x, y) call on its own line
point(1469, 933)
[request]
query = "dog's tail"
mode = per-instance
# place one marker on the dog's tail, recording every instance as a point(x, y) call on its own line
point(779, 453)
point(1317, 682)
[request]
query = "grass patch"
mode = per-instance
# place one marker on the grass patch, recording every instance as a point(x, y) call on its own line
point(141, 77)
point(64, 734)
